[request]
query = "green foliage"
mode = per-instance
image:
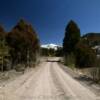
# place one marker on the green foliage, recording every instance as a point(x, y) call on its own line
point(2, 33)
point(70, 60)
point(85, 56)
point(24, 43)
point(21, 44)
point(52, 52)
point(97, 63)
point(47, 52)
point(72, 36)
point(44, 52)
point(4, 52)
point(4, 56)
point(59, 52)
point(21, 25)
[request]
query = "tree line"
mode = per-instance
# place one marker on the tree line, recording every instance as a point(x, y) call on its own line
point(22, 45)
point(77, 52)
point(51, 52)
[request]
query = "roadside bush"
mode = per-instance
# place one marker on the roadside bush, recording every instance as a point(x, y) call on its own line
point(97, 63)
point(20, 67)
point(85, 56)
point(96, 72)
point(70, 60)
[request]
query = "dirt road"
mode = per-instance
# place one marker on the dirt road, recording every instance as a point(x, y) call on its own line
point(47, 82)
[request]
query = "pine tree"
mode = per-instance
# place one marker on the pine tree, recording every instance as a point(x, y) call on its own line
point(72, 36)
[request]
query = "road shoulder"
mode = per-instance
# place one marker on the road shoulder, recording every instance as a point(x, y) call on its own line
point(84, 80)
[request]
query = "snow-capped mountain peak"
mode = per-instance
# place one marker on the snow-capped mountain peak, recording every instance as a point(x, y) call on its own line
point(50, 46)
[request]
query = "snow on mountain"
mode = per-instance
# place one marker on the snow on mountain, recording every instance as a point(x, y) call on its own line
point(50, 46)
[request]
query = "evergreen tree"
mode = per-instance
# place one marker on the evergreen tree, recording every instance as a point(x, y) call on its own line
point(72, 36)
point(24, 43)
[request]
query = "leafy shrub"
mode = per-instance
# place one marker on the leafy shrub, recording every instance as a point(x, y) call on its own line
point(85, 56)
point(70, 60)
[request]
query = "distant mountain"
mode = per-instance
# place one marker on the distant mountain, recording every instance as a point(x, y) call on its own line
point(51, 46)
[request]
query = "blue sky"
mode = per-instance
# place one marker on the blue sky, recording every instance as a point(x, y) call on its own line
point(49, 17)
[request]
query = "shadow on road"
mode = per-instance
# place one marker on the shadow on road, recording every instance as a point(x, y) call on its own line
point(52, 61)
point(84, 78)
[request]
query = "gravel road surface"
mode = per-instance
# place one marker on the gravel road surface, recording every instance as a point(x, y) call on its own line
point(46, 82)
